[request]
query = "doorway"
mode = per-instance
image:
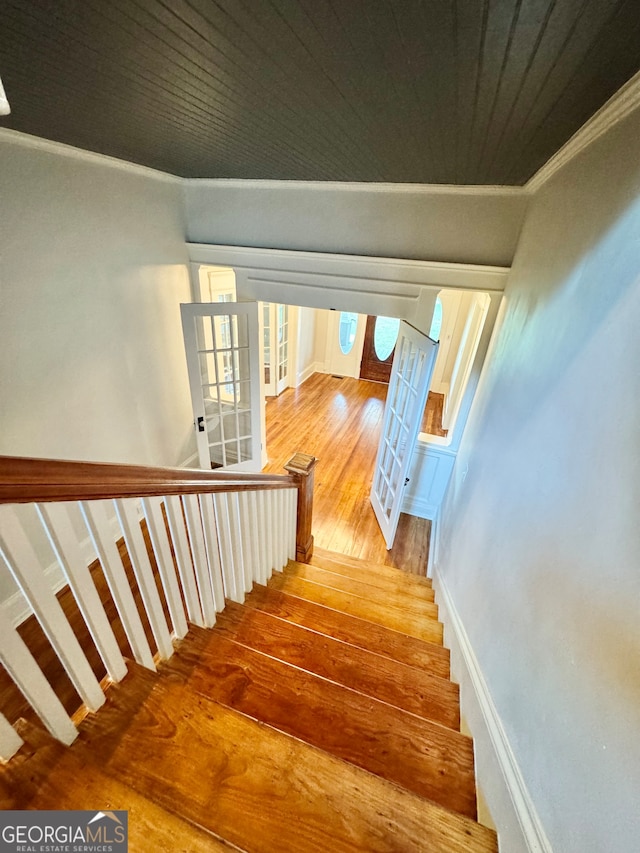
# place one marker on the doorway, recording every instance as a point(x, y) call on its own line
point(311, 337)
point(380, 338)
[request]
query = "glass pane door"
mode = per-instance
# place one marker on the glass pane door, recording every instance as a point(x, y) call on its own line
point(221, 343)
point(413, 362)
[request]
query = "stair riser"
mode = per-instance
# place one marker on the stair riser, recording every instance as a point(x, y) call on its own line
point(423, 757)
point(350, 629)
point(407, 688)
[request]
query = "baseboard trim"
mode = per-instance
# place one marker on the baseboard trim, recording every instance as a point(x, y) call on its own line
point(307, 373)
point(418, 507)
point(188, 462)
point(532, 832)
point(434, 543)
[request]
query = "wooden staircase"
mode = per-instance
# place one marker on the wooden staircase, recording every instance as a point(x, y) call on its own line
point(316, 716)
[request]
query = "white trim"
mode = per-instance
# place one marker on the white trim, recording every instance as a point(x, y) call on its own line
point(532, 830)
point(307, 373)
point(359, 186)
point(187, 463)
point(26, 140)
point(434, 544)
point(350, 272)
point(5, 109)
point(16, 606)
point(419, 507)
point(618, 107)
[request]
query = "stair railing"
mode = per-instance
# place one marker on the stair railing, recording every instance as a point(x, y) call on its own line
point(171, 544)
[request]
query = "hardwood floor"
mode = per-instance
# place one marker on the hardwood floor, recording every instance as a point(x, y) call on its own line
point(289, 726)
point(338, 420)
point(432, 420)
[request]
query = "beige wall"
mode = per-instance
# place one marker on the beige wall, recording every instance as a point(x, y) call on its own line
point(464, 225)
point(539, 544)
point(92, 271)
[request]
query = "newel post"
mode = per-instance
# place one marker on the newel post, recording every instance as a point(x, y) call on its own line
point(301, 468)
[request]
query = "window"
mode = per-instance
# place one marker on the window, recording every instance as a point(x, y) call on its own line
point(347, 330)
point(436, 322)
point(385, 336)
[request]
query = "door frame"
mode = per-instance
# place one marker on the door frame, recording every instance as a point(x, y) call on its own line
point(391, 287)
point(190, 311)
point(415, 352)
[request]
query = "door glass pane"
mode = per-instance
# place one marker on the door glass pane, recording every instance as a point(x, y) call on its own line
point(347, 330)
point(226, 396)
point(436, 322)
point(283, 341)
point(385, 336)
point(266, 324)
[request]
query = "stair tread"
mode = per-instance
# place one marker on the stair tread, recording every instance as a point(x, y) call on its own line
point(258, 788)
point(411, 601)
point(357, 568)
point(48, 775)
point(422, 628)
point(405, 687)
point(351, 629)
point(422, 756)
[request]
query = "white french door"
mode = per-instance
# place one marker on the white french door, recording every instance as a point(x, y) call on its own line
point(275, 344)
point(408, 389)
point(223, 361)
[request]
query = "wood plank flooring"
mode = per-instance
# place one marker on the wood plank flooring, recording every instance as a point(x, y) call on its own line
point(339, 421)
point(432, 419)
point(291, 725)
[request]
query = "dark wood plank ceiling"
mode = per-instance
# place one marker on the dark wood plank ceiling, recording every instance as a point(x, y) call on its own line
point(425, 91)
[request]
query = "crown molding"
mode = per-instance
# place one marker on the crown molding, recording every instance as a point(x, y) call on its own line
point(618, 107)
point(358, 186)
point(26, 140)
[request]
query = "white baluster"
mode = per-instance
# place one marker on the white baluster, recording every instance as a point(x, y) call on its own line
point(199, 553)
point(236, 543)
point(59, 529)
point(175, 518)
point(210, 529)
point(262, 538)
point(97, 521)
point(127, 513)
point(10, 740)
point(253, 528)
point(282, 528)
point(268, 505)
point(273, 502)
point(152, 508)
point(23, 669)
point(246, 535)
point(221, 506)
point(23, 564)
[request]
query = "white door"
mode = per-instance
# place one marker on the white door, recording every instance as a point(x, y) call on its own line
point(268, 355)
point(274, 322)
point(282, 338)
point(408, 388)
point(345, 339)
point(223, 360)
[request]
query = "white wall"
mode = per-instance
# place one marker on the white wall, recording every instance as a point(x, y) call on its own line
point(465, 225)
point(539, 546)
point(92, 271)
point(455, 305)
point(306, 364)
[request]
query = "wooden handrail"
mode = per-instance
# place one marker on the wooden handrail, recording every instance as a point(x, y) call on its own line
point(31, 480)
point(27, 480)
